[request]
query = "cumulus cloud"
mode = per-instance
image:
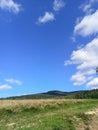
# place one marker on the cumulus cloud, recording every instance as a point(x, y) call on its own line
point(5, 87)
point(79, 78)
point(88, 25)
point(48, 16)
point(58, 4)
point(13, 81)
point(87, 7)
point(85, 57)
point(10, 6)
point(86, 61)
point(93, 83)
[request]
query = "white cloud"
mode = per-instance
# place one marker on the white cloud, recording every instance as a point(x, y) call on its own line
point(79, 78)
point(46, 18)
point(58, 4)
point(86, 61)
point(10, 6)
point(93, 83)
point(5, 87)
point(85, 57)
point(87, 7)
point(88, 25)
point(50, 16)
point(13, 81)
point(73, 39)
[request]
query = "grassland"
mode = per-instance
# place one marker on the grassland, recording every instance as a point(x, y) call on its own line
point(49, 114)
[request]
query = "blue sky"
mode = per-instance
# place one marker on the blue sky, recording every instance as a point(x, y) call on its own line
point(48, 45)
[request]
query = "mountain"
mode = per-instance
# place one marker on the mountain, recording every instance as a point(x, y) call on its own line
point(56, 93)
point(45, 95)
point(84, 94)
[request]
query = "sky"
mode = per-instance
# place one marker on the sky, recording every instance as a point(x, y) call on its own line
point(48, 45)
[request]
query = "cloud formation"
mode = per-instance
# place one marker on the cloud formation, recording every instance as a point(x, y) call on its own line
point(48, 16)
point(93, 83)
point(13, 81)
point(88, 25)
point(10, 6)
point(86, 61)
point(58, 4)
point(87, 7)
point(5, 87)
point(85, 57)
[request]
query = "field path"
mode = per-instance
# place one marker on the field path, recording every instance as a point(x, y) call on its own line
point(92, 124)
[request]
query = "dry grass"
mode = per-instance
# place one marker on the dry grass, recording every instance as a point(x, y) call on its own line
point(36, 102)
point(48, 114)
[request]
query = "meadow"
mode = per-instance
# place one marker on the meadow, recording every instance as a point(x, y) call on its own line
point(49, 114)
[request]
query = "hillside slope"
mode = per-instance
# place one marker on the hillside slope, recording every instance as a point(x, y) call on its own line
point(86, 94)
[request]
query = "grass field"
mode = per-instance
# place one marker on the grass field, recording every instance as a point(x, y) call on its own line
point(49, 114)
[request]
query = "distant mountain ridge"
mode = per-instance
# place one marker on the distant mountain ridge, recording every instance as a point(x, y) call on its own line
point(82, 94)
point(57, 93)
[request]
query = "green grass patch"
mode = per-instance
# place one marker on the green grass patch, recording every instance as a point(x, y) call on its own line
point(46, 115)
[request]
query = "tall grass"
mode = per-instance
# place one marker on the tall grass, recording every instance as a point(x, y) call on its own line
point(48, 114)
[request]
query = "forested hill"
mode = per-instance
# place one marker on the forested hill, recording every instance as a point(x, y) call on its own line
point(86, 94)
